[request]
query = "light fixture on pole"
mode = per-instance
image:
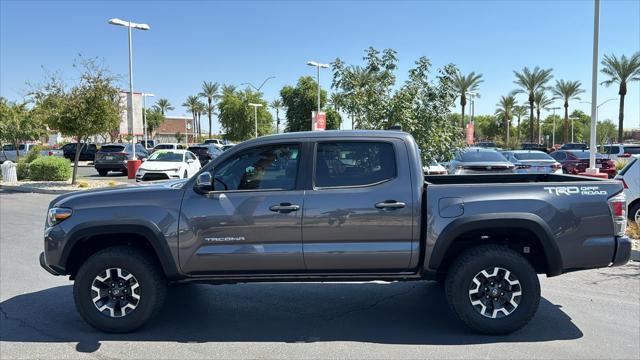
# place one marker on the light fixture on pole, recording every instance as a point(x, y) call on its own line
point(553, 135)
point(130, 25)
point(598, 107)
point(255, 114)
point(572, 118)
point(261, 85)
point(144, 118)
point(594, 90)
point(318, 66)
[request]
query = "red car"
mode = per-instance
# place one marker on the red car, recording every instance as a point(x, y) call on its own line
point(577, 161)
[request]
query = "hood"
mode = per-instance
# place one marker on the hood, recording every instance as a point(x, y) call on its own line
point(126, 192)
point(160, 165)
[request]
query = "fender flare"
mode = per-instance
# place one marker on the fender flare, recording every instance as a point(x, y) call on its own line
point(150, 232)
point(527, 221)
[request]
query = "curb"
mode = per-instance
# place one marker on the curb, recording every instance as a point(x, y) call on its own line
point(28, 189)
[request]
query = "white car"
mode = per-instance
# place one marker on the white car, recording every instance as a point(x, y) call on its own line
point(168, 146)
point(630, 177)
point(168, 164)
point(434, 169)
point(624, 151)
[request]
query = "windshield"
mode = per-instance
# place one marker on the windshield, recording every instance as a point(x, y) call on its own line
point(111, 148)
point(482, 156)
point(169, 156)
point(532, 156)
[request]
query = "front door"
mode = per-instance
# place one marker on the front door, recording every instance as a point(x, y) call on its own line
point(358, 215)
point(250, 221)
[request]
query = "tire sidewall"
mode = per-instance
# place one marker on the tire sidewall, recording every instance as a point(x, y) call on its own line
point(529, 299)
point(83, 299)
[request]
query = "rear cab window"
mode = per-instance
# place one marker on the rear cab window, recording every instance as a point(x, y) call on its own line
point(346, 164)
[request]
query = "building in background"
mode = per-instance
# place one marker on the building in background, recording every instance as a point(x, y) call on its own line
point(166, 133)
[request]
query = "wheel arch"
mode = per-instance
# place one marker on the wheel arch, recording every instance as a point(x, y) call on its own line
point(524, 223)
point(84, 242)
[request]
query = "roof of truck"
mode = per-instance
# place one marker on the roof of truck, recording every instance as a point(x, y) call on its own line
point(334, 134)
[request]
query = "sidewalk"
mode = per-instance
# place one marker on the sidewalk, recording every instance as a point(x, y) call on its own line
point(59, 187)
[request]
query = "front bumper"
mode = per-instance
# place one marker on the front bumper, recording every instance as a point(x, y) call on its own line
point(623, 251)
point(155, 175)
point(49, 269)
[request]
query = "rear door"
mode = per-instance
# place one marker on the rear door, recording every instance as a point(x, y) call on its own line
point(358, 213)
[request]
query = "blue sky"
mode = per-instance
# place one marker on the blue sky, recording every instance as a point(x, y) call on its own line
point(243, 41)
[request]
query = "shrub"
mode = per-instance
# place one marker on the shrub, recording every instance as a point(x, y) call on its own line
point(34, 153)
point(620, 164)
point(50, 169)
point(22, 169)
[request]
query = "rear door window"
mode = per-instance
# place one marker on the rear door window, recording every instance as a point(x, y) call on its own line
point(112, 148)
point(341, 164)
point(632, 150)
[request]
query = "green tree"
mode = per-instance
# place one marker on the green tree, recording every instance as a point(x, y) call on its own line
point(237, 117)
point(605, 131)
point(529, 82)
point(18, 124)
point(154, 119)
point(466, 84)
point(567, 90)
point(334, 120)
point(519, 111)
point(91, 107)
point(621, 71)
point(505, 112)
point(210, 91)
point(541, 101)
point(367, 91)
point(277, 105)
point(163, 105)
point(300, 101)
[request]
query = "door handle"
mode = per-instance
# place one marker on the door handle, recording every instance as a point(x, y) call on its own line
point(390, 204)
point(284, 207)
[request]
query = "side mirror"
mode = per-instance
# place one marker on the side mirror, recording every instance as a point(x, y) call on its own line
point(204, 183)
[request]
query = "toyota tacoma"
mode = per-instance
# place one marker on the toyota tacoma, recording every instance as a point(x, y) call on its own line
point(334, 206)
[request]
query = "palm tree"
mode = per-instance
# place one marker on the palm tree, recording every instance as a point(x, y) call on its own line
point(530, 82)
point(505, 111)
point(519, 111)
point(542, 101)
point(211, 91)
point(567, 90)
point(465, 84)
point(621, 71)
point(163, 105)
point(277, 106)
point(192, 104)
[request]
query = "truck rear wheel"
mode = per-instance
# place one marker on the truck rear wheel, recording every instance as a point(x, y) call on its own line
point(119, 289)
point(493, 289)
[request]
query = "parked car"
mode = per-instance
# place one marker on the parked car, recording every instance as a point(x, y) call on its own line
point(434, 168)
point(534, 146)
point(630, 178)
point(149, 144)
point(577, 161)
point(205, 152)
point(479, 161)
point(227, 147)
point(217, 142)
point(9, 152)
point(616, 151)
point(574, 146)
point(487, 144)
point(168, 164)
point(169, 146)
point(333, 206)
point(114, 157)
point(87, 152)
point(532, 162)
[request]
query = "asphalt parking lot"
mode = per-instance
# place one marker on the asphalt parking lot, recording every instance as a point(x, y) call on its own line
point(589, 314)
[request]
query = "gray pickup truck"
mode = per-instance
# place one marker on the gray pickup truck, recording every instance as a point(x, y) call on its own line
point(334, 206)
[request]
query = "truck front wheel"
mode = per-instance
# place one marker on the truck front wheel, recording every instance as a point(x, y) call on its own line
point(493, 289)
point(119, 289)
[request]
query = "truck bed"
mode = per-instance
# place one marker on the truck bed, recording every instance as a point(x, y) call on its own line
point(504, 179)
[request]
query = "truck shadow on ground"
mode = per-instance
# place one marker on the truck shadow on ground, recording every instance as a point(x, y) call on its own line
point(391, 313)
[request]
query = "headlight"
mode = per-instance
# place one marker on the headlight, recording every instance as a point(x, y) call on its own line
point(57, 215)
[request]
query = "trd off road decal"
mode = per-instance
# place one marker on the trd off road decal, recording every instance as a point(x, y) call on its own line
point(574, 190)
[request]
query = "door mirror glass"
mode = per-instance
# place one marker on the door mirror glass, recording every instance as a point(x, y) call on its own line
point(203, 182)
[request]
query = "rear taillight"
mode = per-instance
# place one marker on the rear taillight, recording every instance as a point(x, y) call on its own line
point(618, 207)
point(625, 155)
point(624, 184)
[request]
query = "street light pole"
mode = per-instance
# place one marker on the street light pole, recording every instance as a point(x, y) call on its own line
point(130, 25)
point(594, 89)
point(255, 114)
point(144, 118)
point(318, 66)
